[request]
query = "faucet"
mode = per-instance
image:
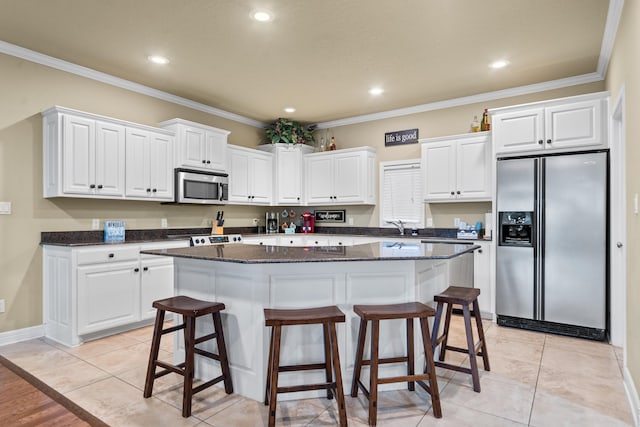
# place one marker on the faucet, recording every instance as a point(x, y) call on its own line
point(398, 224)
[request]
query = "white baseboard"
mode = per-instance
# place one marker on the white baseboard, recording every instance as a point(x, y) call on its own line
point(632, 395)
point(18, 335)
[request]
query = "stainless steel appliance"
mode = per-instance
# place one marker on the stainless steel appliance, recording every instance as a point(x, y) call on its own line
point(552, 269)
point(199, 187)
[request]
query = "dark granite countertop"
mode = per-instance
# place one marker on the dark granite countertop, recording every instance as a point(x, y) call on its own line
point(264, 254)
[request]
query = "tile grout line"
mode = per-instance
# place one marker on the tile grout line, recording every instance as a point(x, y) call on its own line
point(535, 390)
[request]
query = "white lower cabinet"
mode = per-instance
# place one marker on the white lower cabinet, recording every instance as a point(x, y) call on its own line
point(97, 291)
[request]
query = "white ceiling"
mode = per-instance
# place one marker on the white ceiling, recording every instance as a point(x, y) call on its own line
point(319, 56)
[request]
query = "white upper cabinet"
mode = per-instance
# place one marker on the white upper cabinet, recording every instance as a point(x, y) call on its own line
point(342, 177)
point(199, 146)
point(567, 124)
point(250, 176)
point(288, 176)
point(83, 155)
point(457, 168)
point(149, 159)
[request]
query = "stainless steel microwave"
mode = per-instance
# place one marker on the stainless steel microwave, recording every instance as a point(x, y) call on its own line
point(199, 187)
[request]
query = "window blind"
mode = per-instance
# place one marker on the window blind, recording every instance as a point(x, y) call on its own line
point(401, 195)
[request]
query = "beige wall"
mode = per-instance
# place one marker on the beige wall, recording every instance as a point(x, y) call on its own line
point(624, 70)
point(29, 88)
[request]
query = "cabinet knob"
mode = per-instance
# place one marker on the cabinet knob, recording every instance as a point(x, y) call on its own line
point(458, 192)
point(548, 141)
point(297, 198)
point(316, 242)
point(92, 186)
point(291, 241)
point(148, 190)
point(479, 251)
point(136, 269)
point(99, 186)
point(111, 255)
point(204, 162)
point(208, 162)
point(155, 190)
point(540, 141)
point(452, 193)
point(145, 269)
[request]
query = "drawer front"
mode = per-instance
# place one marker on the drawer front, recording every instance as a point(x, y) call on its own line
point(108, 255)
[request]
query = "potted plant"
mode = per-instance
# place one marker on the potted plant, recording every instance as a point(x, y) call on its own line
point(289, 132)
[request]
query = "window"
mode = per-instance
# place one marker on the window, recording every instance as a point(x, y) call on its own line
point(401, 194)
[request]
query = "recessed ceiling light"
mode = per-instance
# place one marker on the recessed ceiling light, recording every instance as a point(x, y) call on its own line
point(157, 59)
point(499, 64)
point(289, 110)
point(262, 16)
point(376, 91)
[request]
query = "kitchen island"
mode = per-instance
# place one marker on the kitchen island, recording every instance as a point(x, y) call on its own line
point(249, 278)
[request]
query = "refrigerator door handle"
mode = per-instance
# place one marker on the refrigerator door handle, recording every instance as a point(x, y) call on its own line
point(539, 244)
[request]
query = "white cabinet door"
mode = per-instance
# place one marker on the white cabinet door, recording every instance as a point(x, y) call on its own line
point(519, 131)
point(482, 277)
point(574, 125)
point(239, 165)
point(160, 166)
point(319, 179)
point(439, 164)
point(473, 171)
point(109, 159)
point(191, 147)
point(349, 178)
point(78, 170)
point(260, 178)
point(156, 282)
point(216, 151)
point(288, 176)
point(108, 296)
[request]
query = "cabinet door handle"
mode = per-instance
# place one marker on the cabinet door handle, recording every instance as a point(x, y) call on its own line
point(548, 141)
point(458, 192)
point(145, 269)
point(111, 255)
point(148, 190)
point(155, 190)
point(99, 186)
point(540, 141)
point(452, 193)
point(298, 198)
point(204, 162)
point(208, 162)
point(479, 251)
point(92, 186)
point(136, 269)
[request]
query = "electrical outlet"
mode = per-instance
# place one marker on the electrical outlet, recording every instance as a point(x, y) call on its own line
point(350, 220)
point(5, 208)
point(429, 222)
point(163, 223)
point(2, 308)
point(95, 224)
point(255, 221)
point(456, 222)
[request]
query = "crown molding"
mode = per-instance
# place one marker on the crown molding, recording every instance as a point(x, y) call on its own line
point(609, 37)
point(473, 99)
point(59, 64)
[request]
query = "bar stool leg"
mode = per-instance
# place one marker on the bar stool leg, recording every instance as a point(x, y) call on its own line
point(342, 411)
point(431, 369)
point(373, 380)
point(267, 391)
point(274, 375)
point(485, 355)
point(447, 324)
point(470, 345)
point(189, 343)
point(436, 327)
point(222, 352)
point(362, 333)
point(411, 385)
point(327, 358)
point(153, 356)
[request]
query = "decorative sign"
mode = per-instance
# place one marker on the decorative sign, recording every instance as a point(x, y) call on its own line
point(113, 231)
point(399, 137)
point(330, 216)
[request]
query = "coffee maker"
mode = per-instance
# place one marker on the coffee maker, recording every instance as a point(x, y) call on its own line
point(308, 222)
point(272, 222)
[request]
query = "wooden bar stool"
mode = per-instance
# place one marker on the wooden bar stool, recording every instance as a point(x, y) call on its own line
point(327, 317)
point(408, 311)
point(190, 309)
point(465, 297)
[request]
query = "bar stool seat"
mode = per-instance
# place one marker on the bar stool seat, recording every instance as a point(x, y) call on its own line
point(327, 317)
point(456, 295)
point(408, 311)
point(190, 309)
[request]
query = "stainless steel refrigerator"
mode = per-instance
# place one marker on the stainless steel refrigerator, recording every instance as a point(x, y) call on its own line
point(552, 257)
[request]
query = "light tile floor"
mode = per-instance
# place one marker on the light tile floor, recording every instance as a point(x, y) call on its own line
point(535, 380)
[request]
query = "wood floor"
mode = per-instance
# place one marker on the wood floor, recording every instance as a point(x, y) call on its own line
point(24, 404)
